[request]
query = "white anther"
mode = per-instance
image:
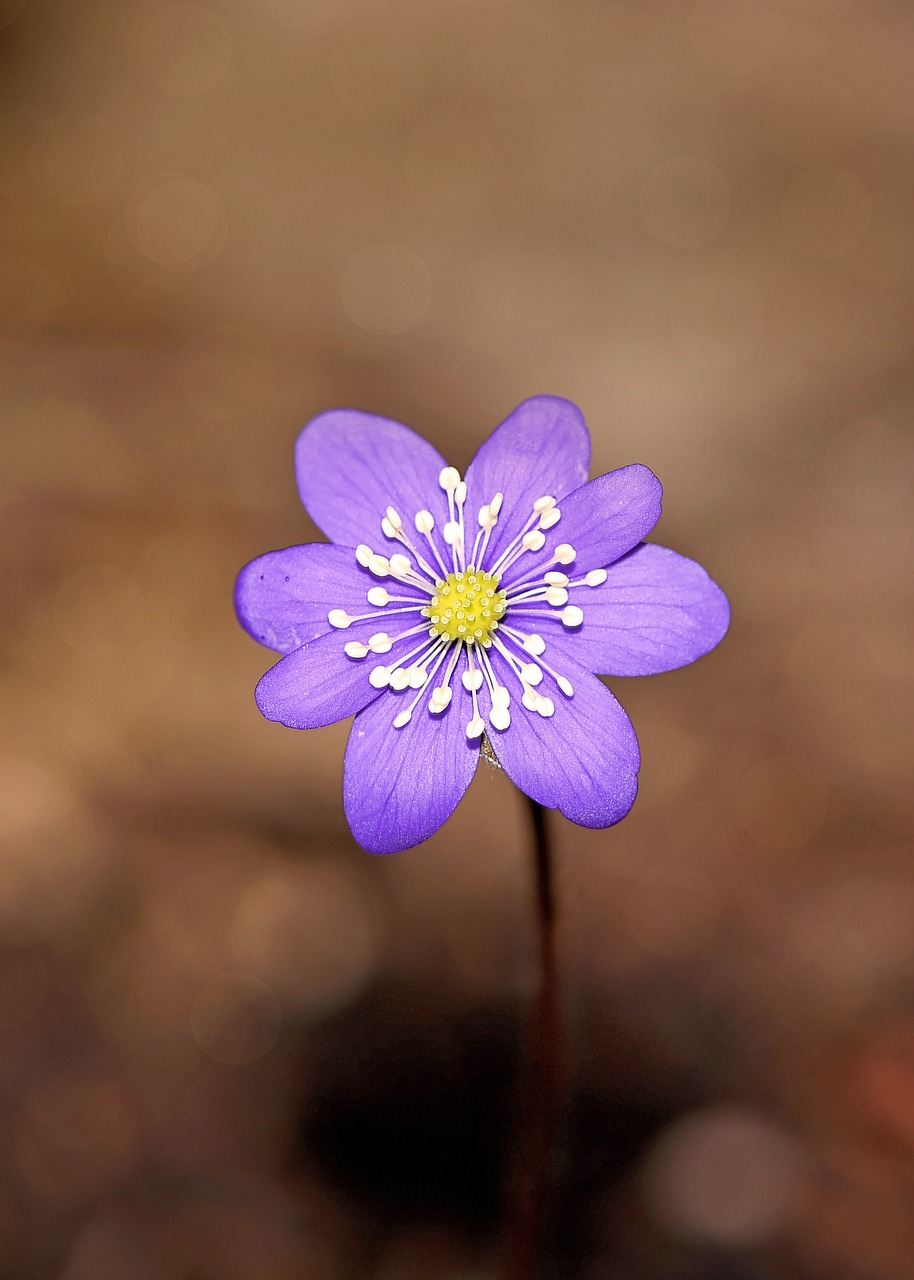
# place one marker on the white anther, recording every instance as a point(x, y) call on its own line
point(543, 504)
point(533, 541)
point(380, 642)
point(472, 679)
point(500, 717)
point(399, 679)
point(501, 697)
point(379, 596)
point(534, 644)
point(451, 532)
point(393, 518)
point(486, 519)
point(530, 673)
point(425, 521)
point(449, 479)
point(564, 553)
point(495, 505)
point(476, 727)
point(417, 677)
point(379, 566)
point(440, 700)
point(387, 528)
point(339, 618)
point(556, 595)
point(403, 718)
point(595, 577)
point(565, 685)
point(460, 493)
point(355, 649)
point(556, 579)
point(544, 706)
point(399, 564)
point(379, 678)
point(363, 554)
point(550, 518)
point(572, 616)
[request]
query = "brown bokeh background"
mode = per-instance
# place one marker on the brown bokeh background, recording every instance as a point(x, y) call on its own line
point(232, 1045)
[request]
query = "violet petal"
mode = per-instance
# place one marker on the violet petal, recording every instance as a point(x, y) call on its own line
point(542, 448)
point(656, 611)
point(316, 685)
point(582, 760)
point(282, 598)
point(606, 517)
point(401, 785)
point(352, 466)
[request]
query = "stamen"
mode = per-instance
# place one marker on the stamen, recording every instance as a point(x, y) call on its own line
point(441, 697)
point(564, 553)
point(476, 727)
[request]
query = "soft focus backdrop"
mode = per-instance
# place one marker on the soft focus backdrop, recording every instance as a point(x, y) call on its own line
point(232, 1045)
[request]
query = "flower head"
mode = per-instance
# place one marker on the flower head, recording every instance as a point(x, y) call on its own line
point(447, 607)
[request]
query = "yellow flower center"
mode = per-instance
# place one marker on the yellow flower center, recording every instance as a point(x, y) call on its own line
point(467, 606)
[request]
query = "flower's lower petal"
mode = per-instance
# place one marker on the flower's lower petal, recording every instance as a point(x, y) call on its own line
point(352, 466)
point(401, 785)
point(316, 685)
point(582, 760)
point(542, 448)
point(282, 598)
point(605, 518)
point(656, 611)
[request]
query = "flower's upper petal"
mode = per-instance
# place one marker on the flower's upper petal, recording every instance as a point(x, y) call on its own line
point(401, 785)
point(315, 686)
point(656, 611)
point(542, 448)
point(282, 598)
point(583, 760)
point(352, 466)
point(605, 518)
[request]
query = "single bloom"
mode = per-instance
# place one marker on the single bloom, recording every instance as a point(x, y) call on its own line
point(448, 607)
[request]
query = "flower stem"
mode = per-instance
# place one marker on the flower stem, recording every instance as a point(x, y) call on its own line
point(540, 1113)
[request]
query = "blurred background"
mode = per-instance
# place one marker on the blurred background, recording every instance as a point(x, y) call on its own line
point(234, 1046)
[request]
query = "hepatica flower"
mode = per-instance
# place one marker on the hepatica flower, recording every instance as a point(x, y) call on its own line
point(450, 607)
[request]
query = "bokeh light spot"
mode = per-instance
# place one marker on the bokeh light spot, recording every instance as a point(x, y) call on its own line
point(869, 466)
point(723, 1176)
point(826, 212)
point(98, 610)
point(236, 1018)
point(782, 802)
point(386, 288)
point(177, 222)
point(186, 49)
point(685, 201)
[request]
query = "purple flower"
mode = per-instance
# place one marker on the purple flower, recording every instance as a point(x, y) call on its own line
point(446, 608)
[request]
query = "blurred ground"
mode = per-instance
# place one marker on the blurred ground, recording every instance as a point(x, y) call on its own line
point(231, 1044)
